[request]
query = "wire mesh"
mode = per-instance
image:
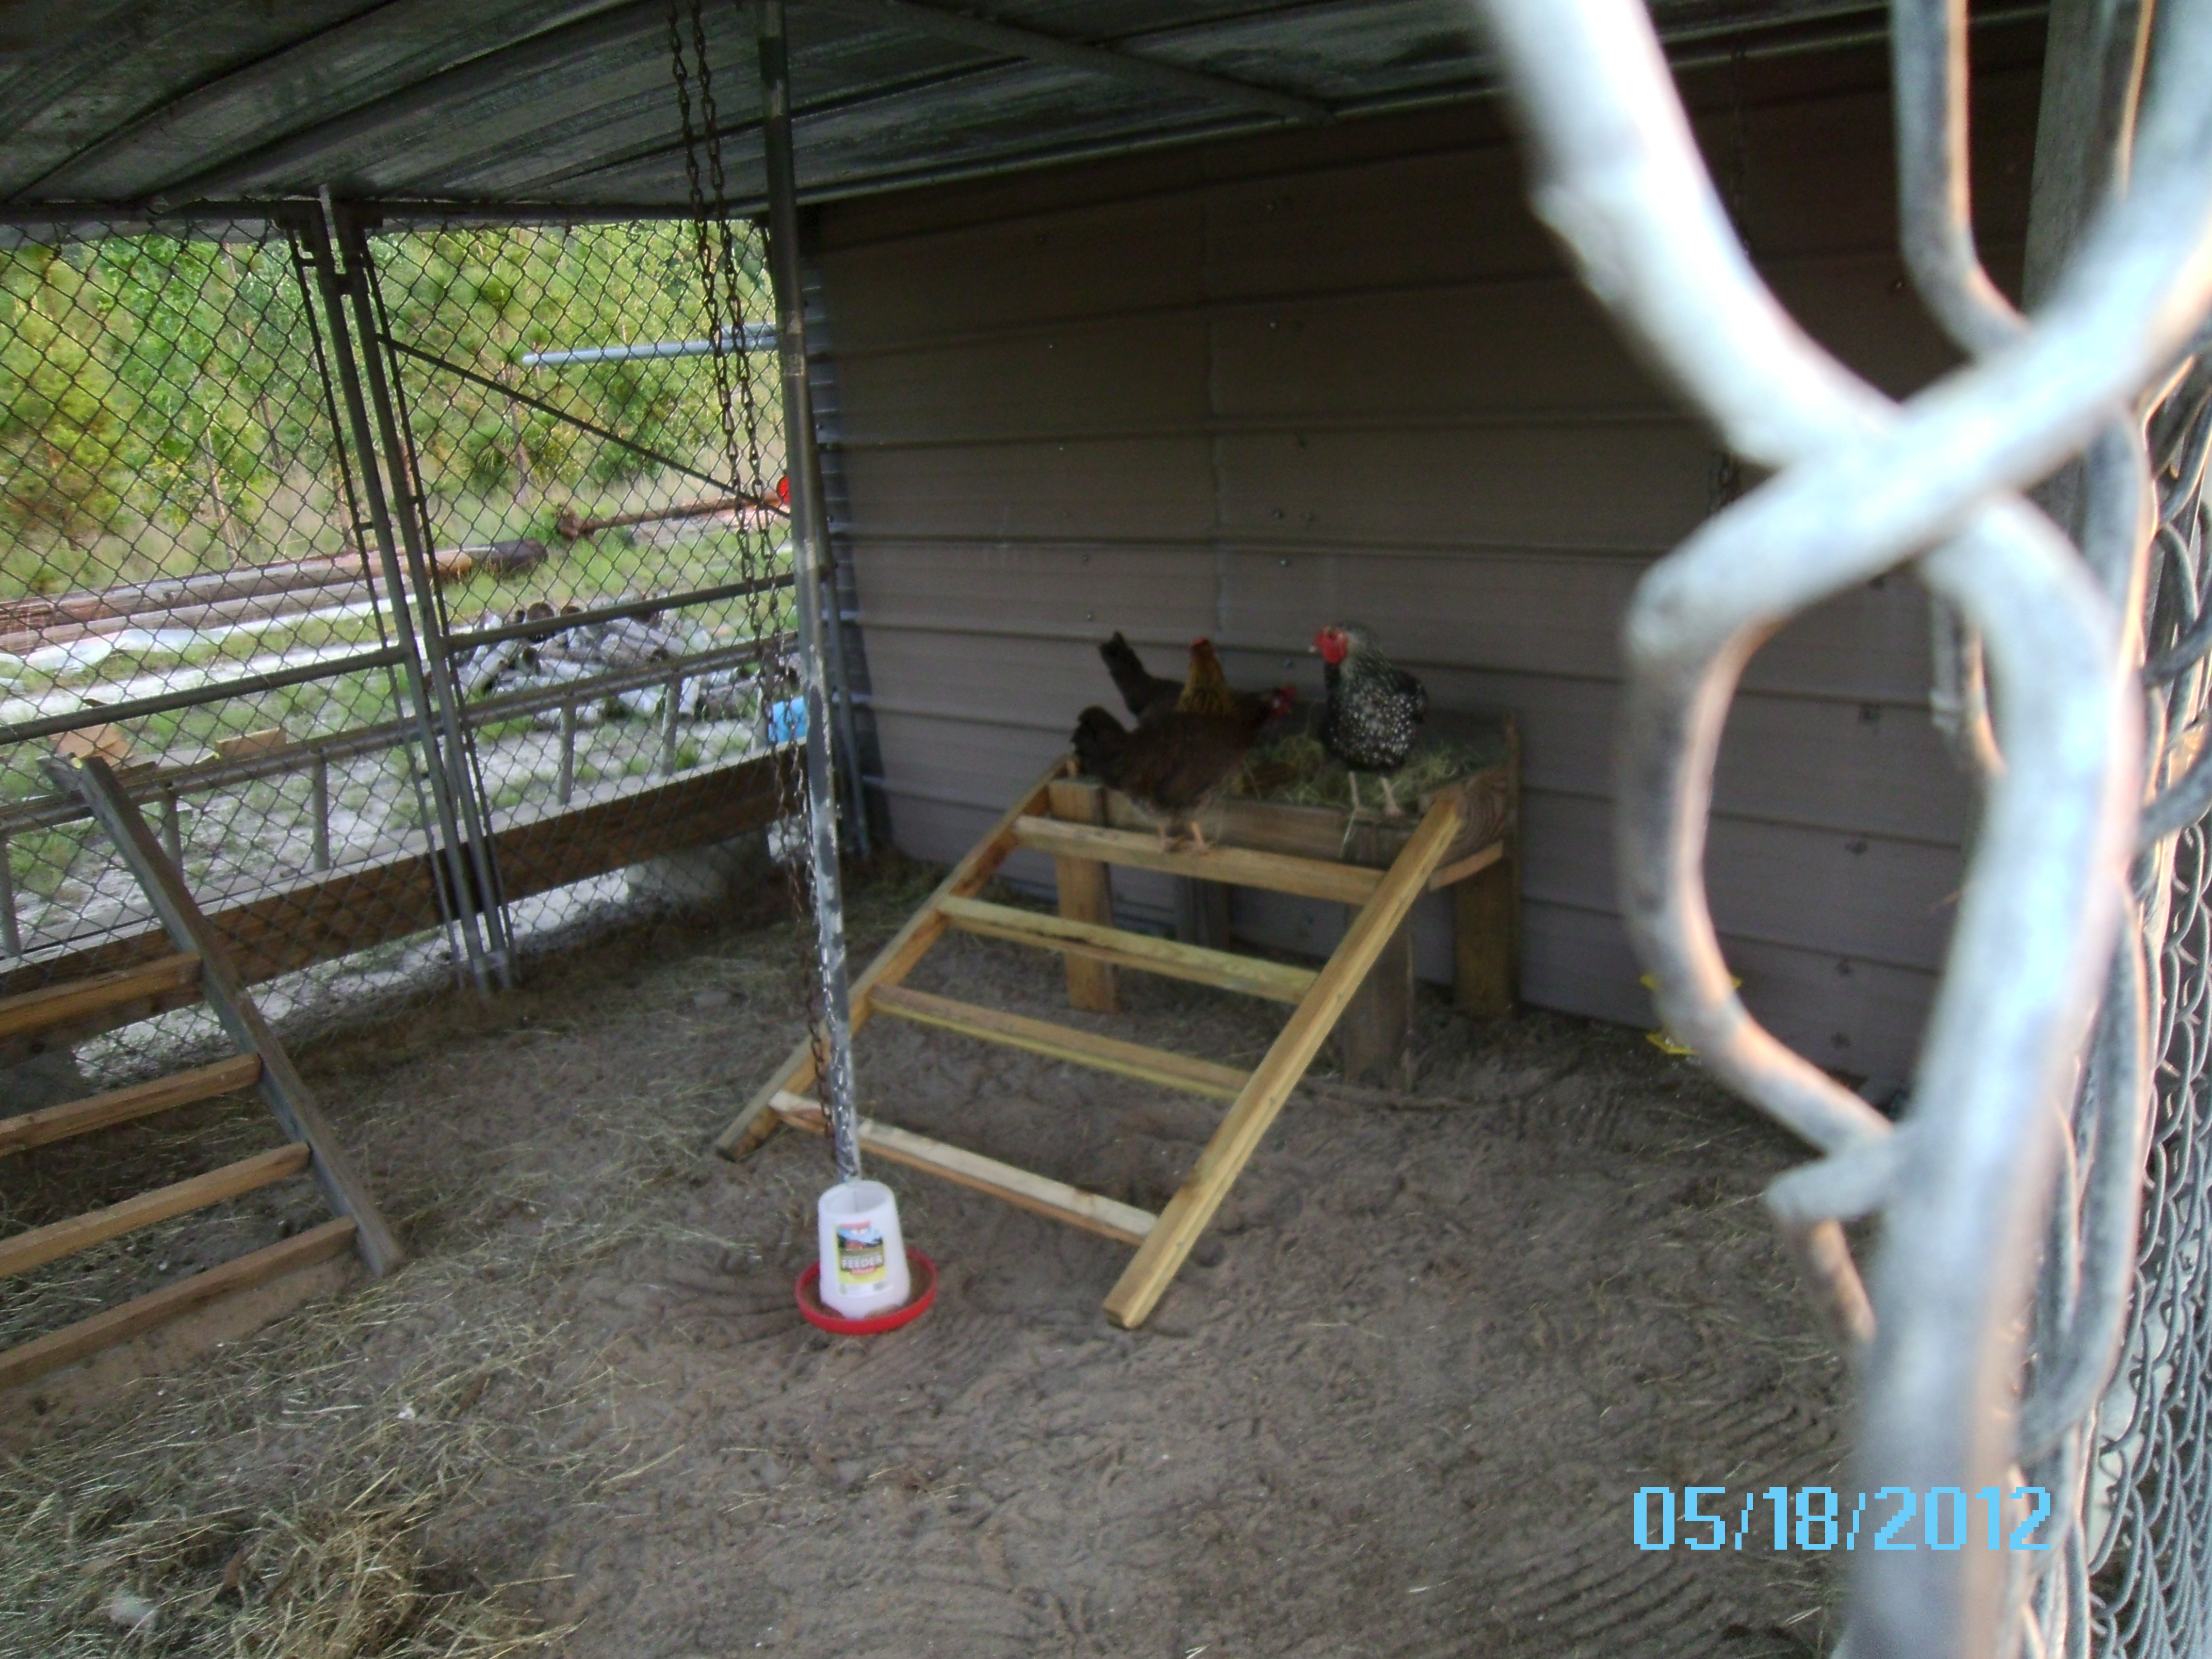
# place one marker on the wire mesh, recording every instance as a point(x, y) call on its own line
point(185, 590)
point(2147, 1522)
point(605, 579)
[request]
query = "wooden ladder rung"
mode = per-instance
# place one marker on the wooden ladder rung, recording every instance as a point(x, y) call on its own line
point(34, 1011)
point(1041, 1037)
point(88, 1336)
point(1278, 981)
point(78, 1117)
point(1036, 1192)
point(1238, 866)
point(27, 1250)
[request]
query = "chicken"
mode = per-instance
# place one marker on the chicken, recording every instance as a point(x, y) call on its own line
point(1145, 693)
point(1204, 690)
point(1176, 760)
point(1374, 711)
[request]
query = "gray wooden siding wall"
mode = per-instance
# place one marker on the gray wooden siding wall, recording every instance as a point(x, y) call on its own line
point(1247, 390)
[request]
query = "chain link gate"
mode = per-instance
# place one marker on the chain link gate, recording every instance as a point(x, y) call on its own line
point(403, 590)
point(607, 589)
point(194, 595)
point(1982, 1347)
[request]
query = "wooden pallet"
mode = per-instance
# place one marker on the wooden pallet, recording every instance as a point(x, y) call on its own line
point(200, 970)
point(1069, 820)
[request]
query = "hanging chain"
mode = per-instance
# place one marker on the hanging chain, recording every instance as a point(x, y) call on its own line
point(714, 247)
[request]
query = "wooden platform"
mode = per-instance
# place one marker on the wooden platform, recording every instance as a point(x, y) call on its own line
point(1462, 839)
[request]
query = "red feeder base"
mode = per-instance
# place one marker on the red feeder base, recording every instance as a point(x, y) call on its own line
point(919, 1269)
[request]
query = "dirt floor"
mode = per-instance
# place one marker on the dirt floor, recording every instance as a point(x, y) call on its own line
point(1398, 1404)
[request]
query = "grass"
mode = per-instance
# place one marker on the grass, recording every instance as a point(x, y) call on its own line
point(1297, 769)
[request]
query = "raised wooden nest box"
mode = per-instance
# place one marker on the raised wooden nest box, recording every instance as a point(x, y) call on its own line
point(1459, 834)
point(1290, 797)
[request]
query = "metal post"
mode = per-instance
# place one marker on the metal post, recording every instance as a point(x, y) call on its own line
point(567, 786)
point(11, 940)
point(670, 702)
point(331, 289)
point(833, 639)
point(808, 540)
point(321, 857)
point(172, 828)
point(475, 831)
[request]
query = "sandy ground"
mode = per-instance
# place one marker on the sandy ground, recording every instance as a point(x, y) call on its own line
point(1398, 1404)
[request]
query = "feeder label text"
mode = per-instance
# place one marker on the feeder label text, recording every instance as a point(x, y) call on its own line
point(860, 1259)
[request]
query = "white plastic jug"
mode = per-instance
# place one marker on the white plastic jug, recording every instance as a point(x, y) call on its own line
point(864, 1271)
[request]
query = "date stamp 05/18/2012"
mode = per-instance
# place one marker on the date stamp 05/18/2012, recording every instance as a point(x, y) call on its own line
point(1816, 1518)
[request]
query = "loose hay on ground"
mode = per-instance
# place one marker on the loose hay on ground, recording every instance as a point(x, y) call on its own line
point(1397, 1404)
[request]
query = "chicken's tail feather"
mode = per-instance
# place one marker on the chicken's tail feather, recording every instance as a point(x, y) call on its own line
point(1099, 740)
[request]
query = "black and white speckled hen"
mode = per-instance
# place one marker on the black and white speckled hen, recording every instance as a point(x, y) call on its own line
point(1374, 712)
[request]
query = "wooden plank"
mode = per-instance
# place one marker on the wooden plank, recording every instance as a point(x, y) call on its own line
point(100, 1111)
point(1372, 1031)
point(1487, 940)
point(1041, 1037)
point(88, 1336)
point(1085, 890)
point(1460, 869)
point(1037, 1193)
point(1238, 866)
point(1201, 913)
point(27, 1250)
point(80, 999)
point(282, 1086)
point(320, 917)
point(1162, 1253)
point(754, 1121)
point(1278, 982)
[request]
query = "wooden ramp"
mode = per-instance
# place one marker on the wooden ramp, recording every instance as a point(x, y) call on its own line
point(199, 970)
point(1068, 819)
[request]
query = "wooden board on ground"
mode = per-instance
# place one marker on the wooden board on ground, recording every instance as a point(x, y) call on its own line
point(319, 917)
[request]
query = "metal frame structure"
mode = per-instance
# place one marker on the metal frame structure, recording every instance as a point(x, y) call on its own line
point(356, 358)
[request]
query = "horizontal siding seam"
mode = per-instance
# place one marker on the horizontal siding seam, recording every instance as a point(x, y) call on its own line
point(1259, 541)
point(1580, 907)
point(1260, 426)
point(1264, 174)
point(1231, 308)
point(1844, 697)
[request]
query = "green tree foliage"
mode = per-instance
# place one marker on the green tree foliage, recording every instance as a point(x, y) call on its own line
point(160, 409)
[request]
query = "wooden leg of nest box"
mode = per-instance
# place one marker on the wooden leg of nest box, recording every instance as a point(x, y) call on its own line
point(1087, 894)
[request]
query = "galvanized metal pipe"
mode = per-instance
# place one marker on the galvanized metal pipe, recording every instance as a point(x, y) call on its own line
point(332, 290)
point(319, 809)
point(809, 543)
point(564, 787)
point(11, 937)
point(474, 850)
point(672, 696)
point(754, 337)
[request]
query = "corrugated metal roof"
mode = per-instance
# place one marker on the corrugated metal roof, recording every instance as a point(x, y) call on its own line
point(538, 103)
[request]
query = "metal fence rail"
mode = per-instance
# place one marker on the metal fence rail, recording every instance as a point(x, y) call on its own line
point(1965, 1186)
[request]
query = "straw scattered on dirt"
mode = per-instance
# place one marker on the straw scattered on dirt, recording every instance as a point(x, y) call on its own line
point(1398, 1403)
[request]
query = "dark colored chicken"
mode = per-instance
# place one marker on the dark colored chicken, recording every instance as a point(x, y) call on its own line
point(1205, 690)
point(1145, 693)
point(1175, 761)
point(1374, 711)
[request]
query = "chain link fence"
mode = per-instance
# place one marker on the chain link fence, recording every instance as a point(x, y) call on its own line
point(608, 579)
point(408, 637)
point(2020, 1334)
